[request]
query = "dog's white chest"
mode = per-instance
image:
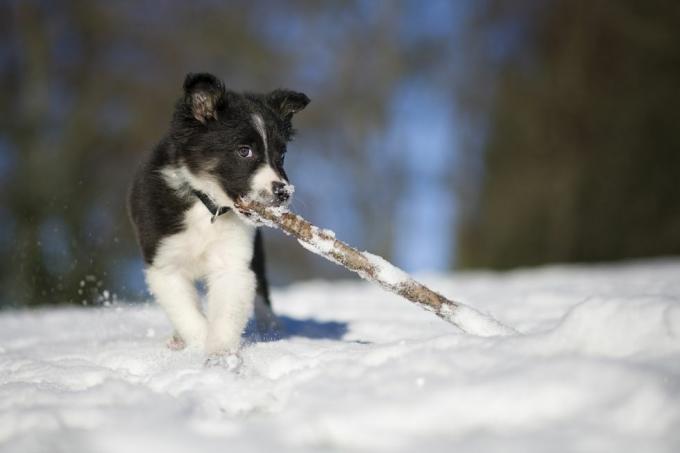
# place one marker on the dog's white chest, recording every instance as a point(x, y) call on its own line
point(204, 247)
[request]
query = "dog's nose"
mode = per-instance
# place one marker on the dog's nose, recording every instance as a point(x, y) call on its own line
point(281, 192)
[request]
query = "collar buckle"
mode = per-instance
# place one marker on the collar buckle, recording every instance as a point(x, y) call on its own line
point(210, 205)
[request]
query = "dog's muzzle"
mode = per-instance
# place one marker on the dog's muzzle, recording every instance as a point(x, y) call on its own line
point(282, 193)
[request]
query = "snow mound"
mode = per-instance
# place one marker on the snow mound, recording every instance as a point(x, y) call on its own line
point(620, 327)
point(597, 368)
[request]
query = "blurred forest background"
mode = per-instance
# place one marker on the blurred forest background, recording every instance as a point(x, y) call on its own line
point(441, 134)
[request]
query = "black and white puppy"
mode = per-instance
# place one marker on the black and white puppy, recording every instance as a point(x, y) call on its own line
point(221, 146)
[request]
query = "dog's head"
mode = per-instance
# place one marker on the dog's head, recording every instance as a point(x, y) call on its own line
point(233, 145)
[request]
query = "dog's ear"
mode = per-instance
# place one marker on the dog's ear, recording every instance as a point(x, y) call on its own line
point(204, 95)
point(287, 102)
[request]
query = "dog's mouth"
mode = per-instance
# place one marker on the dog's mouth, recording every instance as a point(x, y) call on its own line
point(276, 199)
point(280, 195)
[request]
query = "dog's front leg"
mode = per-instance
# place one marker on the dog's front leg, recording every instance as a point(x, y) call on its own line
point(176, 293)
point(230, 302)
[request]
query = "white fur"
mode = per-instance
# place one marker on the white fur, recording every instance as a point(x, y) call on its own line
point(221, 253)
point(174, 291)
point(176, 177)
point(261, 183)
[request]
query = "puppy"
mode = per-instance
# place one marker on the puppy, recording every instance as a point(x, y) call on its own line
point(221, 146)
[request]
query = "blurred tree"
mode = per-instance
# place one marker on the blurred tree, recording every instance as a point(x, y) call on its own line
point(582, 157)
point(89, 86)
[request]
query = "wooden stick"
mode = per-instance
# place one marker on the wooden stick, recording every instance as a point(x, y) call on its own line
point(373, 268)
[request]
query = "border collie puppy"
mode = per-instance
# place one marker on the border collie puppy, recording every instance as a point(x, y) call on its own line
point(221, 146)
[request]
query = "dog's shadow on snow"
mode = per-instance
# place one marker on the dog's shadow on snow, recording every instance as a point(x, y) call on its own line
point(304, 328)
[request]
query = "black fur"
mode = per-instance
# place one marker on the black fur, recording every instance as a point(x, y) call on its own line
point(209, 125)
point(258, 266)
point(156, 211)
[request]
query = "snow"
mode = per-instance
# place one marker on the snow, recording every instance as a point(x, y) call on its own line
point(596, 368)
point(387, 272)
point(474, 322)
point(321, 242)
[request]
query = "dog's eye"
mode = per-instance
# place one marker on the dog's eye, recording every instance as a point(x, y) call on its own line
point(245, 151)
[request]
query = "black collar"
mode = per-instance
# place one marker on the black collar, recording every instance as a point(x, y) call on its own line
point(215, 210)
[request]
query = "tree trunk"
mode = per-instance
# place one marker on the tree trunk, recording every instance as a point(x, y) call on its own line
point(372, 268)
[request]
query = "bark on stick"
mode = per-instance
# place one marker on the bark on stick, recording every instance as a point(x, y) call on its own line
point(373, 268)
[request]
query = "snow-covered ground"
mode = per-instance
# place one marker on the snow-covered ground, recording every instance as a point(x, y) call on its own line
point(596, 368)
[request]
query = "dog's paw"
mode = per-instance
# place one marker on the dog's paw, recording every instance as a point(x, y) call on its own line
point(175, 343)
point(231, 361)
